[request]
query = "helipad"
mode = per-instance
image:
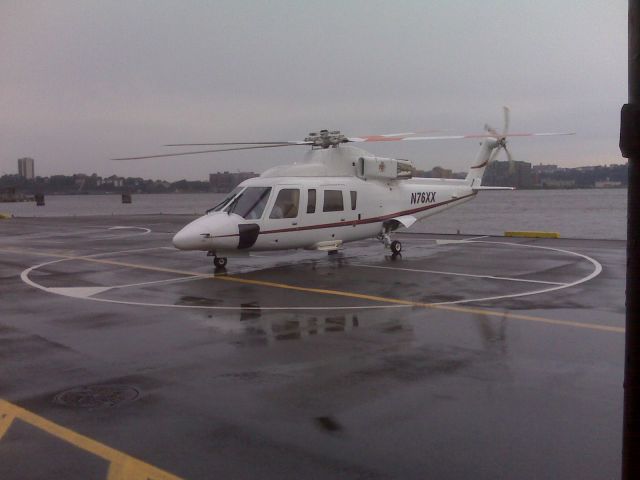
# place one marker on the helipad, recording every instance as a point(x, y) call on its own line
point(468, 356)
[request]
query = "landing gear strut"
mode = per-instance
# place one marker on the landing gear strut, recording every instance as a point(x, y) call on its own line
point(385, 238)
point(394, 245)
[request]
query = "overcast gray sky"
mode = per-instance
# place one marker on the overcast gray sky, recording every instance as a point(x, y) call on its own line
point(84, 81)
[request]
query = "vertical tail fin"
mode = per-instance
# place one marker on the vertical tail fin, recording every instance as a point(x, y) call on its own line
point(484, 157)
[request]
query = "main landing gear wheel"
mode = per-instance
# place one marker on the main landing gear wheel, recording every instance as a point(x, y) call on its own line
point(396, 247)
point(220, 262)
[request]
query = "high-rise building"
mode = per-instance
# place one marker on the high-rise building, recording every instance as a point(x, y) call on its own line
point(226, 181)
point(25, 168)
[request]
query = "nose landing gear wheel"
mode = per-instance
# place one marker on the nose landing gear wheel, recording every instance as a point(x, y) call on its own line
point(220, 262)
point(396, 247)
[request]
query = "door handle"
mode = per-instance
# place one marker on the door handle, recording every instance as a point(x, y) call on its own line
point(294, 223)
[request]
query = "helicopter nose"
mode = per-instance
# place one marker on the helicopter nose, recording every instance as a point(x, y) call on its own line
point(189, 238)
point(210, 232)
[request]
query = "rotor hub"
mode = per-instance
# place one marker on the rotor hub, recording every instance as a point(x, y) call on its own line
point(326, 138)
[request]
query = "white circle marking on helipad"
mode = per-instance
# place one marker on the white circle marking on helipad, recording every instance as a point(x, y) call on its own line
point(86, 293)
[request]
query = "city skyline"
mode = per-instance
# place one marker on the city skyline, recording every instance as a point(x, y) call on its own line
point(522, 175)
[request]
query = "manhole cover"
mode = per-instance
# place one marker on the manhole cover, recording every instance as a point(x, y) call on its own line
point(96, 396)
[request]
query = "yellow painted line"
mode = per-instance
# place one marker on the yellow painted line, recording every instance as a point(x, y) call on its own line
point(532, 234)
point(6, 419)
point(123, 466)
point(343, 293)
point(529, 318)
point(322, 291)
point(480, 311)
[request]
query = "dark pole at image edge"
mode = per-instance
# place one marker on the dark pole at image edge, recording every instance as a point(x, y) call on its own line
point(630, 148)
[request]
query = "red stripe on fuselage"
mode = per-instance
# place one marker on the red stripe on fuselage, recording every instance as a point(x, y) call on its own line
point(357, 222)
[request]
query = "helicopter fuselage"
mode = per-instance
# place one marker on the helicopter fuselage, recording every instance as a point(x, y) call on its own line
point(315, 211)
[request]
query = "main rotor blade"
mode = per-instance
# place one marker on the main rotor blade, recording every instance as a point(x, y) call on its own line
point(237, 143)
point(203, 151)
point(388, 137)
point(382, 138)
point(453, 137)
point(544, 134)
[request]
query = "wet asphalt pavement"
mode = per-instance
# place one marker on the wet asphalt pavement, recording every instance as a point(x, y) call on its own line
point(488, 359)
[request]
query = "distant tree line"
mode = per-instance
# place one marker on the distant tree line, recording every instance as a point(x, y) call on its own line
point(523, 175)
point(95, 184)
point(588, 177)
point(520, 174)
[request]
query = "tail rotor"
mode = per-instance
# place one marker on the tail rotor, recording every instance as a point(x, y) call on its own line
point(501, 138)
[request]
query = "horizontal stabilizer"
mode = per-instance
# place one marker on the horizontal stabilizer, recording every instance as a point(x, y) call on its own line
point(492, 188)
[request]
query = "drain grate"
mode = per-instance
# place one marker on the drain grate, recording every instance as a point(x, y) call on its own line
point(97, 396)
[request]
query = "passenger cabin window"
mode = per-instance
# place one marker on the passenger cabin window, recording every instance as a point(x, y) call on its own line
point(250, 203)
point(354, 198)
point(333, 201)
point(311, 201)
point(286, 205)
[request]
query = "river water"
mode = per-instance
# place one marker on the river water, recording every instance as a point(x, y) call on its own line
point(598, 213)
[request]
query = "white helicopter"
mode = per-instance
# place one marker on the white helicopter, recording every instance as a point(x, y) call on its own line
point(337, 194)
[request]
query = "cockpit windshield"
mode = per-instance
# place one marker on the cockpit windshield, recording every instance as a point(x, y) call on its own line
point(226, 200)
point(250, 203)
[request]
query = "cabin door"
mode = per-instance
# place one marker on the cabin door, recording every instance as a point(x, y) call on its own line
point(283, 217)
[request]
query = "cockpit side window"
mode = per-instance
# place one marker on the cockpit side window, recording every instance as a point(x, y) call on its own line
point(286, 205)
point(226, 200)
point(250, 203)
